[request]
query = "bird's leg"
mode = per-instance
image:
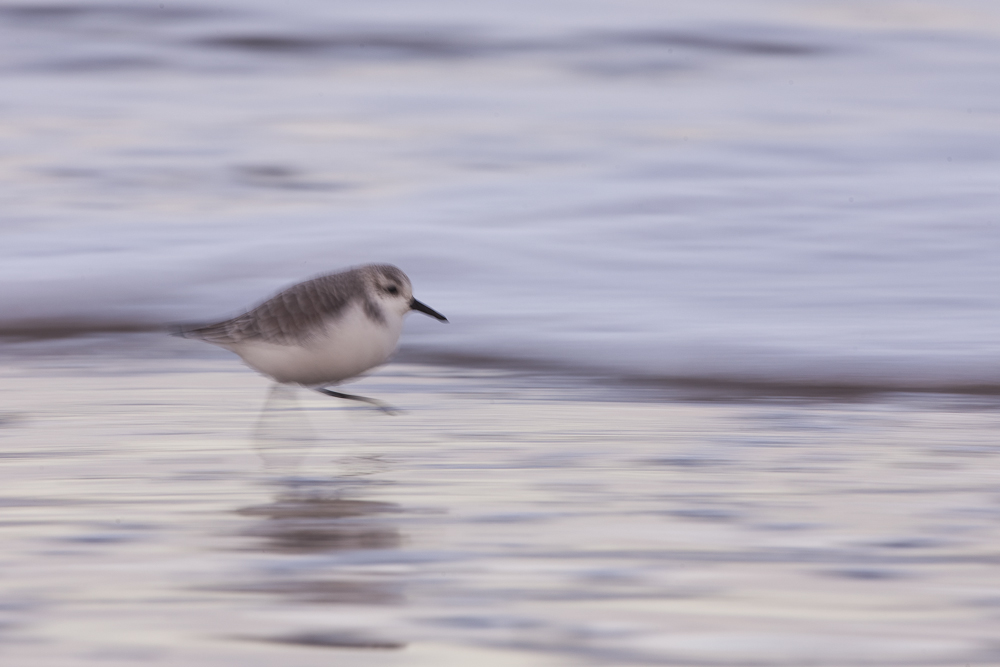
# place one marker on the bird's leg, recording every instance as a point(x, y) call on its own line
point(283, 435)
point(388, 409)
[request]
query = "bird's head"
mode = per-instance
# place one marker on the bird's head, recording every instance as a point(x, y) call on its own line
point(393, 291)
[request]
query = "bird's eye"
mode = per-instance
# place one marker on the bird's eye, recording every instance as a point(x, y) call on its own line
point(392, 289)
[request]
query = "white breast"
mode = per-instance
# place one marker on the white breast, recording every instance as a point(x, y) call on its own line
point(347, 347)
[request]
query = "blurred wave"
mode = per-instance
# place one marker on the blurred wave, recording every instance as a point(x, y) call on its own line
point(109, 37)
point(749, 197)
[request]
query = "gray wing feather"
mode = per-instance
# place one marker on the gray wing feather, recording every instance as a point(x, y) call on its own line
point(291, 316)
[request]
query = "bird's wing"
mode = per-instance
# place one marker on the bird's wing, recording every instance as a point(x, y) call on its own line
point(289, 317)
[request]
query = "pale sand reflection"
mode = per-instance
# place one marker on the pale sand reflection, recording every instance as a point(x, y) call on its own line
point(498, 521)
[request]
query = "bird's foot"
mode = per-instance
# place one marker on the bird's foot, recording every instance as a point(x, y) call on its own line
point(384, 407)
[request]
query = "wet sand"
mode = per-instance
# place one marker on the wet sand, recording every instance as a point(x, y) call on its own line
point(150, 513)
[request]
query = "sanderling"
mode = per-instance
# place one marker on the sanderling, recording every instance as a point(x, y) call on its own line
point(322, 331)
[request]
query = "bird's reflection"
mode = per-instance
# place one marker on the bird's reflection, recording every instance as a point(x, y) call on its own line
point(309, 517)
point(310, 521)
point(313, 520)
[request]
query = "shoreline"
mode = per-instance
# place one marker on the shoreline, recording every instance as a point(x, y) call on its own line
point(584, 383)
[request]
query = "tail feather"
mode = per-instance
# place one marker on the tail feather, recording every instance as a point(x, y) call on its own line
point(188, 330)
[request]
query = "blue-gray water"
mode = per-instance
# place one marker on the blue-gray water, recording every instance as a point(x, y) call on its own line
point(762, 192)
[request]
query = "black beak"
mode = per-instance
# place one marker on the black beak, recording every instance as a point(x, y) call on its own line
point(416, 305)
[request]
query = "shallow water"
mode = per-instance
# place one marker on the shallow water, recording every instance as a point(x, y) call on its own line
point(152, 515)
point(764, 192)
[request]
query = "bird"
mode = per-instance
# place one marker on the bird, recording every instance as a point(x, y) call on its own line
point(322, 331)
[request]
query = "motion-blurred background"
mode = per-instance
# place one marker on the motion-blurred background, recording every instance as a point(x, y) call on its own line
point(766, 192)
